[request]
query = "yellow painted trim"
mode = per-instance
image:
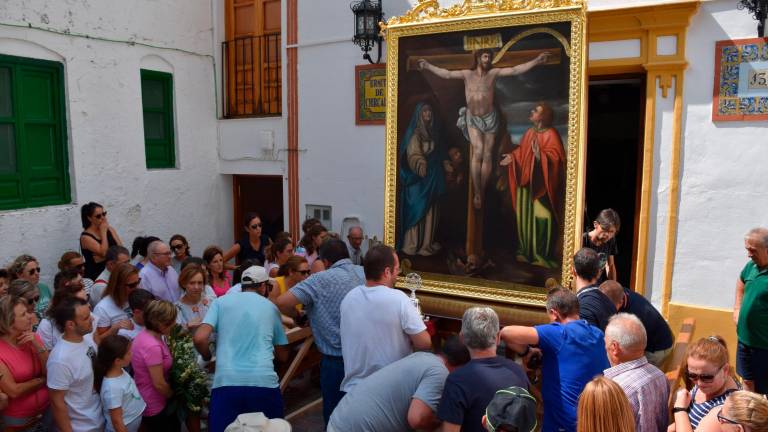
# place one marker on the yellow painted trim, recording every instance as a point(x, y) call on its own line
point(674, 195)
point(709, 321)
point(647, 23)
point(646, 184)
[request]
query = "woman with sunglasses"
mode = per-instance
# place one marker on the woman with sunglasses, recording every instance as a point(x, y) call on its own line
point(96, 238)
point(27, 268)
point(180, 248)
point(67, 284)
point(252, 245)
point(73, 260)
point(708, 369)
point(30, 294)
point(113, 312)
point(743, 411)
point(22, 369)
point(295, 270)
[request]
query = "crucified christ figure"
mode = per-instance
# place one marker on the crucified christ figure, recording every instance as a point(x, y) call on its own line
point(479, 119)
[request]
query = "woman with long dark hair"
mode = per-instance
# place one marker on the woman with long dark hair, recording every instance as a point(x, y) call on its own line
point(218, 277)
point(96, 238)
point(252, 245)
point(113, 312)
point(180, 248)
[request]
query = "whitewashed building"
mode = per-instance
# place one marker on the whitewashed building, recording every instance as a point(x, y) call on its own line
point(263, 105)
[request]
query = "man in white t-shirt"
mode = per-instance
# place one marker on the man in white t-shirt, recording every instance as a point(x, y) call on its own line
point(75, 404)
point(379, 324)
point(115, 256)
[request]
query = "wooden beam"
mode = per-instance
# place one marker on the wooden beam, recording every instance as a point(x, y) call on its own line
point(465, 61)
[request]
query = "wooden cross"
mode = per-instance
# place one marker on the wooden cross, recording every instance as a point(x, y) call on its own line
point(474, 243)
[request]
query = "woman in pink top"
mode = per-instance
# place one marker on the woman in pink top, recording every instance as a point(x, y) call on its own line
point(22, 368)
point(151, 366)
point(219, 278)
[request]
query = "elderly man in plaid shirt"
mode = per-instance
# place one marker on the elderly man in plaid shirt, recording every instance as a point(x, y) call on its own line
point(645, 385)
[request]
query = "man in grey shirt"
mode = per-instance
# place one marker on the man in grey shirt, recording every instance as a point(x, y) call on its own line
point(402, 396)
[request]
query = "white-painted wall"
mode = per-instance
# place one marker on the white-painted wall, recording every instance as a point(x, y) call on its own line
point(104, 121)
point(722, 192)
point(723, 170)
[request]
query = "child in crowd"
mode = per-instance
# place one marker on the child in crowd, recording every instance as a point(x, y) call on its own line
point(120, 399)
point(137, 301)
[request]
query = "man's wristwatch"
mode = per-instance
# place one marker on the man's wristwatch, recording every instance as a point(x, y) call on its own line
point(676, 410)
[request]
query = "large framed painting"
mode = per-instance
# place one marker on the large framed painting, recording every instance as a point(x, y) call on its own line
point(484, 143)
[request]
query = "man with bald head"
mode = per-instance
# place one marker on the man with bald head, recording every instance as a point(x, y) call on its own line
point(750, 311)
point(644, 384)
point(354, 245)
point(660, 338)
point(158, 276)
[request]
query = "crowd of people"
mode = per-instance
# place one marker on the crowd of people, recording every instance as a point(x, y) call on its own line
point(157, 339)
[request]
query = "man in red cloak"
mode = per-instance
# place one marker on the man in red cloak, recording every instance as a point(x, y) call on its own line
point(537, 184)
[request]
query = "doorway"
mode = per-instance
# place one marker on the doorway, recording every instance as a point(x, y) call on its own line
point(615, 123)
point(260, 194)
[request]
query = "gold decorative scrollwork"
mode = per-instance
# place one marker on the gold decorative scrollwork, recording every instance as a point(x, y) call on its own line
point(430, 10)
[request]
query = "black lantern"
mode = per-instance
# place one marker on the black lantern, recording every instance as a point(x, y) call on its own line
point(367, 17)
point(759, 9)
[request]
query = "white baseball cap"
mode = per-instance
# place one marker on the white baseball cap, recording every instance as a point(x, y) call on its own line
point(258, 422)
point(254, 275)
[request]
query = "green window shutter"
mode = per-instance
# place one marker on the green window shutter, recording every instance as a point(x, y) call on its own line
point(33, 150)
point(157, 108)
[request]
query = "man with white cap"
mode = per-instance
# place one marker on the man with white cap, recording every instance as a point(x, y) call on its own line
point(249, 331)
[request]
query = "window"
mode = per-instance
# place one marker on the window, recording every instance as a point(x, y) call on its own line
point(33, 137)
point(321, 213)
point(157, 106)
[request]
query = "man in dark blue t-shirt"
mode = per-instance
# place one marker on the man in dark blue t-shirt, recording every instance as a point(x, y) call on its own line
point(594, 306)
point(660, 338)
point(573, 352)
point(469, 389)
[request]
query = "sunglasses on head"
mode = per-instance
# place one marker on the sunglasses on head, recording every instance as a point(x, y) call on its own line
point(705, 378)
point(33, 270)
point(101, 215)
point(256, 225)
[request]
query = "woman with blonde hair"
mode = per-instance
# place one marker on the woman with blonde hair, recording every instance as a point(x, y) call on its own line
point(27, 268)
point(604, 407)
point(745, 411)
point(707, 367)
point(194, 304)
point(22, 368)
point(151, 361)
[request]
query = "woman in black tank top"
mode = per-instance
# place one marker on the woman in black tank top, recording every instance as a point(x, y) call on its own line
point(251, 246)
point(96, 238)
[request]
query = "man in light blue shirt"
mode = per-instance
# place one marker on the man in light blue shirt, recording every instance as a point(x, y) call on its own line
point(158, 276)
point(321, 294)
point(248, 331)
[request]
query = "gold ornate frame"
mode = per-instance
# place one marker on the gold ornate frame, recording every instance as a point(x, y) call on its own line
point(427, 17)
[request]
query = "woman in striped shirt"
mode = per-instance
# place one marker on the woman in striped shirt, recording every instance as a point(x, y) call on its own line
point(707, 367)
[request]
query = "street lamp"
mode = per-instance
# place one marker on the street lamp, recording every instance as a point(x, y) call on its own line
point(759, 9)
point(368, 14)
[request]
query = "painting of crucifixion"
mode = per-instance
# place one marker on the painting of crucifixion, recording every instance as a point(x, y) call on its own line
point(482, 145)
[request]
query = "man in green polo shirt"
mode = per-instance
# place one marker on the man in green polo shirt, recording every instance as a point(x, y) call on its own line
point(750, 312)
